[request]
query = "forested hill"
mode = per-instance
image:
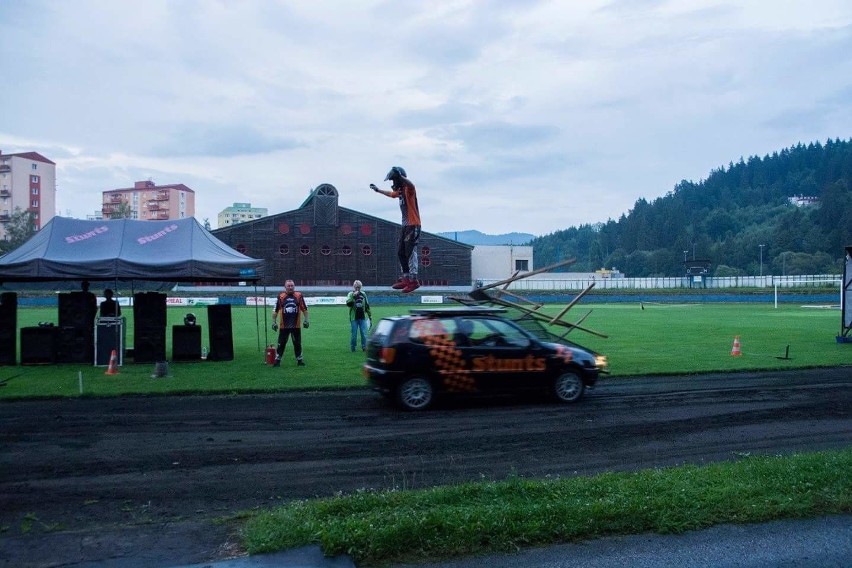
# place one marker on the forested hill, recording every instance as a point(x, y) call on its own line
point(725, 218)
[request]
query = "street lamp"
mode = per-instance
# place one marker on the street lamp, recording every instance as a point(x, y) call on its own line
point(684, 255)
point(761, 259)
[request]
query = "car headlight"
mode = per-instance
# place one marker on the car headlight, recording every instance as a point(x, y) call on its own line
point(600, 361)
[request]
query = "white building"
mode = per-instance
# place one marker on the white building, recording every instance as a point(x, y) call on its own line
point(28, 183)
point(496, 262)
point(240, 213)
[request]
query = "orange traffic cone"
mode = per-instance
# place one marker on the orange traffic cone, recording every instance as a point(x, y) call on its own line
point(735, 350)
point(113, 364)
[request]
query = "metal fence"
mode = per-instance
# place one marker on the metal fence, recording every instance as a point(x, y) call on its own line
point(826, 281)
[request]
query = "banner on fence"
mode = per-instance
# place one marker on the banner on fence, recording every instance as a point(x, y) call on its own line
point(309, 300)
point(431, 299)
point(182, 302)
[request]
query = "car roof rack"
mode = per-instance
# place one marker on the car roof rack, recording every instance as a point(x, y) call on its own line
point(458, 311)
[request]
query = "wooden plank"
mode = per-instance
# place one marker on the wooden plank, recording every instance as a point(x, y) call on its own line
point(573, 302)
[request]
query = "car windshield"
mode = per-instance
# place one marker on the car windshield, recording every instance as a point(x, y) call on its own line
point(537, 329)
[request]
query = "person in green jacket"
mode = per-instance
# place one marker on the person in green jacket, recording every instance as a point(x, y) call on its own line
point(359, 316)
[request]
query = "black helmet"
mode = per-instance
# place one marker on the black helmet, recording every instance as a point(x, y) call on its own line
point(395, 172)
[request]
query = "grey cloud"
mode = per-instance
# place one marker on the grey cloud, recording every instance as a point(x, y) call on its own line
point(505, 168)
point(489, 136)
point(222, 141)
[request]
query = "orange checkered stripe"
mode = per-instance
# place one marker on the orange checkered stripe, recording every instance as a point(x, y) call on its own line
point(446, 357)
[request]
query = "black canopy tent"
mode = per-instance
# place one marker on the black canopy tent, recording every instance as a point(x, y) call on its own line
point(128, 250)
point(124, 249)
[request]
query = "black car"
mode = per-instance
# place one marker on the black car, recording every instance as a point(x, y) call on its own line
point(473, 350)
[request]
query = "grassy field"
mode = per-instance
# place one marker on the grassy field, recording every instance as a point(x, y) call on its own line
point(377, 528)
point(659, 339)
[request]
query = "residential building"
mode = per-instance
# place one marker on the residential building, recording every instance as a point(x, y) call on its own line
point(28, 182)
point(803, 200)
point(240, 213)
point(148, 201)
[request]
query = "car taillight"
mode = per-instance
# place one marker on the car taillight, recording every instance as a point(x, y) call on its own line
point(387, 354)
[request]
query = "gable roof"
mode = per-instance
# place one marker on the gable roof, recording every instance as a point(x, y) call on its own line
point(28, 156)
point(125, 249)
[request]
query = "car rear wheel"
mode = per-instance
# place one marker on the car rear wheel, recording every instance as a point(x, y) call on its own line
point(568, 387)
point(415, 393)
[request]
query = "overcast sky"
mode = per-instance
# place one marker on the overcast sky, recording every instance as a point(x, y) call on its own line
point(507, 115)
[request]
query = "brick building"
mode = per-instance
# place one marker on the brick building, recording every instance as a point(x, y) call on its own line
point(323, 244)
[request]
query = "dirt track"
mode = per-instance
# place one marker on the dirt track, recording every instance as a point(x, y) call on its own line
point(137, 479)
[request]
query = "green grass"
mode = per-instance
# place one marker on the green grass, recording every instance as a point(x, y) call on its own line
point(475, 518)
point(661, 339)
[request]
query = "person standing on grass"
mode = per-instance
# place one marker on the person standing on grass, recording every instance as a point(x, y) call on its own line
point(359, 316)
point(406, 251)
point(287, 317)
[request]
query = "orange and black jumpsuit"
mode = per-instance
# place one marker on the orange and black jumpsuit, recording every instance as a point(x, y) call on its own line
point(410, 234)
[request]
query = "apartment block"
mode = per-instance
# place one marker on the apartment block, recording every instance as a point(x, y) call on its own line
point(28, 182)
point(148, 201)
point(240, 213)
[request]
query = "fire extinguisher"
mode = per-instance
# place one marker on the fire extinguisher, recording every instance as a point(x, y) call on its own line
point(270, 355)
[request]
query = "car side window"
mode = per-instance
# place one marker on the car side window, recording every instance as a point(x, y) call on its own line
point(427, 330)
point(505, 335)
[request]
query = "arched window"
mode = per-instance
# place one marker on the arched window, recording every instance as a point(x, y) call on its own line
point(304, 228)
point(366, 230)
point(346, 229)
point(283, 228)
point(305, 250)
point(346, 250)
point(241, 248)
point(325, 250)
point(366, 250)
point(426, 261)
point(425, 251)
point(284, 250)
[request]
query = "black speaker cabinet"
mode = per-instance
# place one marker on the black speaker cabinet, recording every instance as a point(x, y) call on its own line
point(220, 334)
point(76, 310)
point(38, 345)
point(149, 344)
point(186, 342)
point(8, 328)
point(74, 345)
point(149, 310)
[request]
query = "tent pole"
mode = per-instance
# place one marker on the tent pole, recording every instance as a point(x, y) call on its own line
point(256, 316)
point(265, 326)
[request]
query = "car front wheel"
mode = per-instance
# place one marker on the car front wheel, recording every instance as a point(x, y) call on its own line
point(415, 393)
point(568, 387)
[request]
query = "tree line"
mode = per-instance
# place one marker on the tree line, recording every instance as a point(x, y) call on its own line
point(739, 218)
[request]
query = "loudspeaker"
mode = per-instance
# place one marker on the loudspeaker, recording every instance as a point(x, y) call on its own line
point(8, 328)
point(186, 342)
point(74, 345)
point(149, 310)
point(220, 334)
point(38, 345)
point(75, 310)
point(149, 344)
